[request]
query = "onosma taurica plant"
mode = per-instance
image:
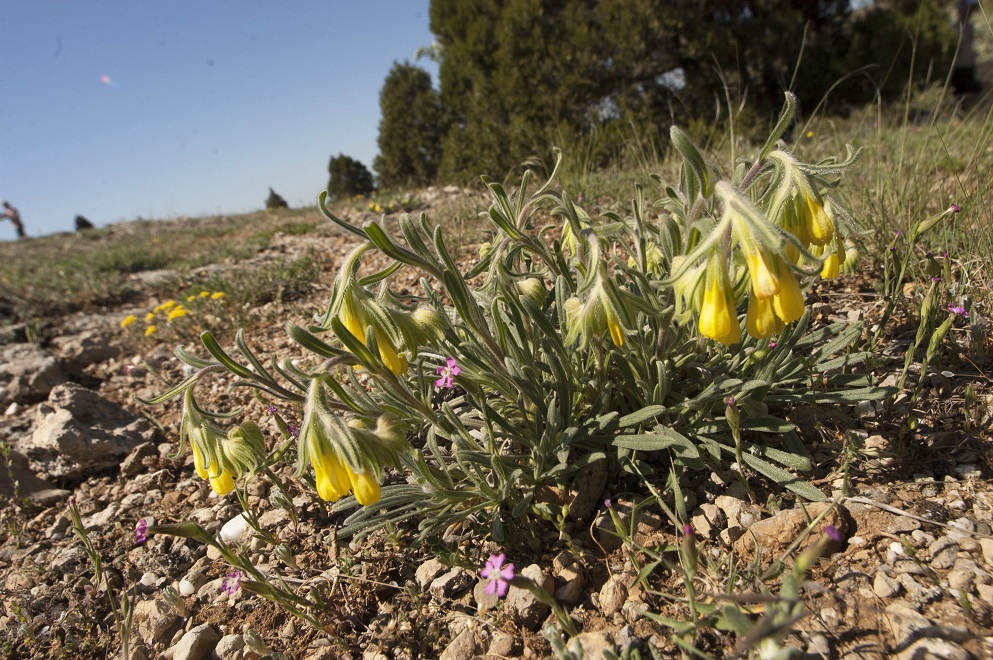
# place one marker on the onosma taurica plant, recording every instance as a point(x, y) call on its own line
point(677, 335)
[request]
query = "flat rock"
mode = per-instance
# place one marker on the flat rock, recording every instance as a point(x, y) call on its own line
point(460, 648)
point(80, 432)
point(917, 638)
point(771, 537)
point(28, 372)
point(522, 604)
point(586, 490)
point(596, 645)
point(197, 644)
point(38, 491)
point(85, 348)
point(155, 621)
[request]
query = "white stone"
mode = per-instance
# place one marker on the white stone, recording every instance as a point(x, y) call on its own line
point(232, 531)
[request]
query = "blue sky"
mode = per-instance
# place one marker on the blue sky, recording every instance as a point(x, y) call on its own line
point(208, 103)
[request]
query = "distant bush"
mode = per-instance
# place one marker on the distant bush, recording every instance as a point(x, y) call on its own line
point(275, 202)
point(348, 177)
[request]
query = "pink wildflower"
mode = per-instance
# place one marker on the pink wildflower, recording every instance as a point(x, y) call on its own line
point(498, 574)
point(448, 373)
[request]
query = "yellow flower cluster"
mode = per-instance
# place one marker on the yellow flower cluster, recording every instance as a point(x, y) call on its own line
point(335, 479)
point(170, 309)
point(775, 298)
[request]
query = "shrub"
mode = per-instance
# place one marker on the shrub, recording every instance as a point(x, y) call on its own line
point(348, 177)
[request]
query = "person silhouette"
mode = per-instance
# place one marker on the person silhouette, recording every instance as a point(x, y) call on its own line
point(10, 213)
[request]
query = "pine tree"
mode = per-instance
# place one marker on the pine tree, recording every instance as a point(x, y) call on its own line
point(411, 129)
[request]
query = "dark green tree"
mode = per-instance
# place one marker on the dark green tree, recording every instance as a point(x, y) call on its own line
point(275, 201)
point(411, 129)
point(348, 177)
point(521, 75)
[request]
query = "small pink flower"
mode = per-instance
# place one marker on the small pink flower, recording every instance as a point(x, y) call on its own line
point(833, 533)
point(232, 582)
point(448, 374)
point(688, 529)
point(958, 310)
point(498, 574)
point(141, 532)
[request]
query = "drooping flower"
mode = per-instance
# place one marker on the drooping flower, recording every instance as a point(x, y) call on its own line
point(128, 320)
point(761, 321)
point(718, 319)
point(499, 575)
point(358, 311)
point(789, 303)
point(365, 486)
point(833, 533)
point(447, 373)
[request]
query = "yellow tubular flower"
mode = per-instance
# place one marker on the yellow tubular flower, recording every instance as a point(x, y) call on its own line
point(820, 227)
point(614, 325)
point(761, 321)
point(331, 477)
point(198, 465)
point(832, 266)
point(788, 303)
point(366, 487)
point(717, 318)
point(765, 282)
point(388, 354)
point(223, 483)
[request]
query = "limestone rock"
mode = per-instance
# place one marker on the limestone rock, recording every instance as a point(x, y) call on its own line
point(83, 349)
point(155, 621)
point(460, 648)
point(772, 536)
point(29, 373)
point(37, 490)
point(197, 644)
point(587, 487)
point(522, 604)
point(80, 432)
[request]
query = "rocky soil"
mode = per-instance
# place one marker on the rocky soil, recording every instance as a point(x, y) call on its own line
point(912, 577)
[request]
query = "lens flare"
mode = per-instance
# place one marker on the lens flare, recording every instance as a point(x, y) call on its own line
point(107, 80)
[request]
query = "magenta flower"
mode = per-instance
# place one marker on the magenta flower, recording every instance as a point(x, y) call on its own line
point(141, 532)
point(954, 208)
point(448, 373)
point(833, 532)
point(959, 310)
point(688, 529)
point(498, 574)
point(232, 582)
point(607, 503)
point(772, 344)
